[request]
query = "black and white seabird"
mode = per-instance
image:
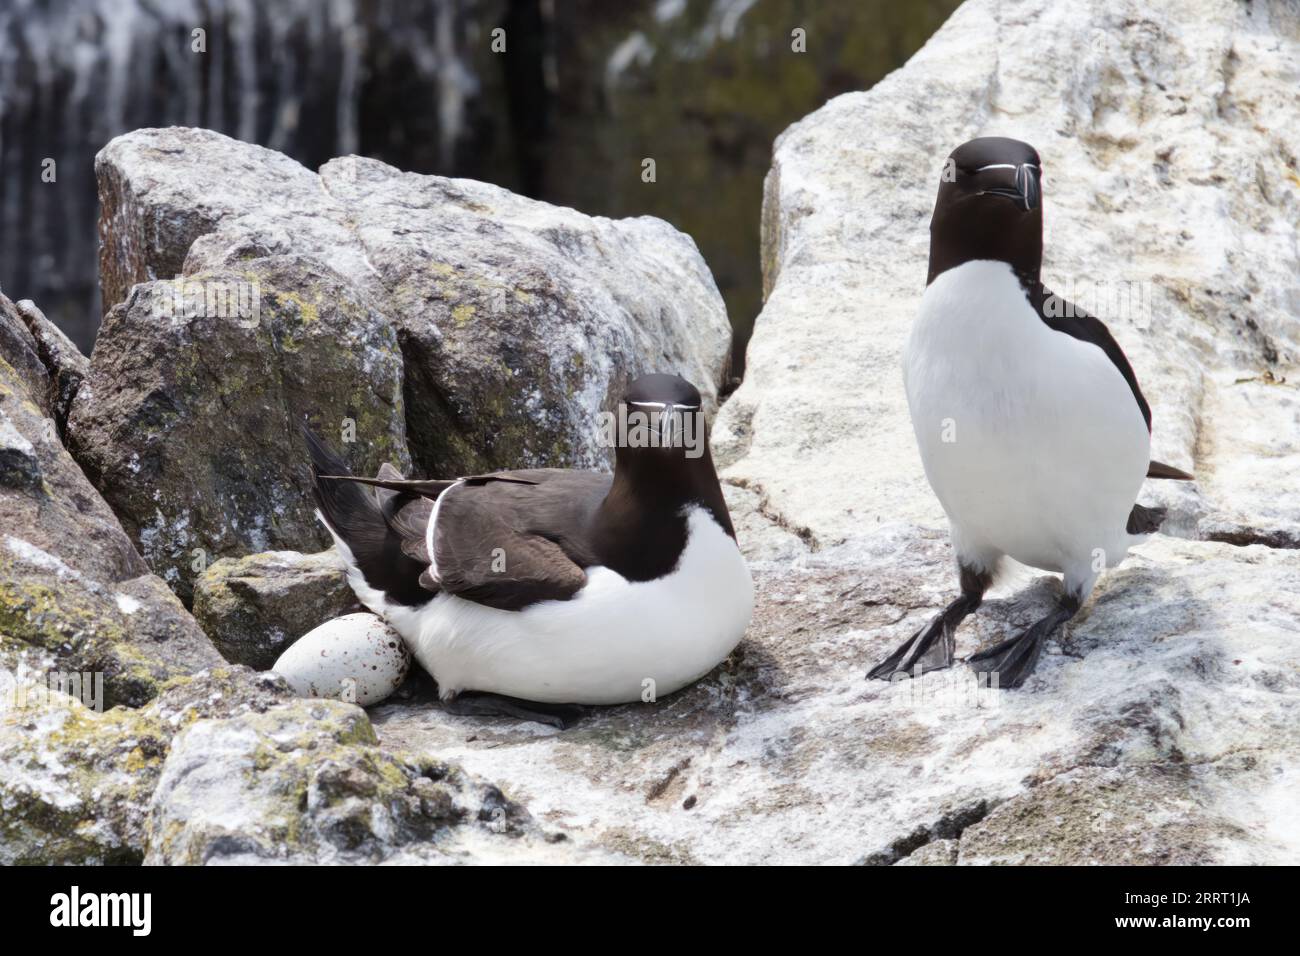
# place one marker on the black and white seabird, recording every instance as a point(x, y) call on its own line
point(1032, 429)
point(527, 593)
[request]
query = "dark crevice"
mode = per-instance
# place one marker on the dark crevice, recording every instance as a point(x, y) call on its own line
point(1243, 537)
point(948, 827)
point(766, 510)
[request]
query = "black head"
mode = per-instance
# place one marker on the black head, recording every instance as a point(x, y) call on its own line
point(661, 388)
point(662, 463)
point(660, 423)
point(989, 207)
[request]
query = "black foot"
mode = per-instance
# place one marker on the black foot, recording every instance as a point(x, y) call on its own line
point(1010, 663)
point(473, 703)
point(932, 648)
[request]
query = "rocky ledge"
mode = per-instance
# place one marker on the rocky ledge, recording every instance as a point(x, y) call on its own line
point(1161, 728)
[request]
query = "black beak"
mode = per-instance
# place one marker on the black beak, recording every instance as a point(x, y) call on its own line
point(1027, 184)
point(1026, 192)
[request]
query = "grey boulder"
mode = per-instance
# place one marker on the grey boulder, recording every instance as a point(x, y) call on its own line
point(494, 326)
point(190, 424)
point(254, 608)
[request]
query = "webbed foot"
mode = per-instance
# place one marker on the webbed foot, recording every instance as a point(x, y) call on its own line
point(473, 703)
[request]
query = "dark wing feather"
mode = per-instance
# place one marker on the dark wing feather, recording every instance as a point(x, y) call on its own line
point(511, 544)
point(409, 520)
point(505, 540)
point(1065, 317)
point(432, 488)
point(359, 519)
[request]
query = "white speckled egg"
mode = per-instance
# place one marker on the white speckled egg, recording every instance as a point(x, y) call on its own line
point(357, 658)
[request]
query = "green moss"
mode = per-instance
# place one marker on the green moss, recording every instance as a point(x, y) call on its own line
point(50, 618)
point(307, 311)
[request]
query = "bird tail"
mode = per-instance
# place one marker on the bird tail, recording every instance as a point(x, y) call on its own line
point(1159, 469)
point(361, 519)
point(350, 513)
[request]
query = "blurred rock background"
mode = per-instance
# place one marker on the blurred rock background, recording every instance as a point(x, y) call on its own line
point(584, 93)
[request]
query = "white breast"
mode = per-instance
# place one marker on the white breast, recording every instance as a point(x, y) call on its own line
point(616, 641)
point(1031, 439)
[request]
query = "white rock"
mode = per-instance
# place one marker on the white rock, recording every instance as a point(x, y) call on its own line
point(357, 658)
point(1164, 137)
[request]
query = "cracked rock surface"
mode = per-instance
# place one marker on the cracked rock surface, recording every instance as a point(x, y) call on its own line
point(75, 595)
point(227, 766)
point(1163, 725)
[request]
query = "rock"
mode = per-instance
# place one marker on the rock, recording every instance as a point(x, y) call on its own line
point(20, 351)
point(19, 466)
point(357, 658)
point(159, 190)
point(74, 593)
point(305, 782)
point(1161, 726)
point(253, 608)
point(226, 766)
point(937, 853)
point(213, 462)
point(1108, 815)
point(518, 321)
point(76, 784)
point(61, 358)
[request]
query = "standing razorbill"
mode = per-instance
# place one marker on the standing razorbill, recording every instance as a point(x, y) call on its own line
point(1034, 434)
point(525, 593)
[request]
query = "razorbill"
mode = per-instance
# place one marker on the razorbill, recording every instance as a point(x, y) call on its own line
point(1032, 429)
point(529, 593)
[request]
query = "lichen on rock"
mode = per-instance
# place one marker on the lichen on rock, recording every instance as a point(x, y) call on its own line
point(518, 321)
point(75, 784)
point(306, 782)
point(72, 586)
point(190, 423)
point(254, 607)
point(228, 766)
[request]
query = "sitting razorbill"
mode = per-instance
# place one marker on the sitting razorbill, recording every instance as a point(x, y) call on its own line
point(528, 593)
